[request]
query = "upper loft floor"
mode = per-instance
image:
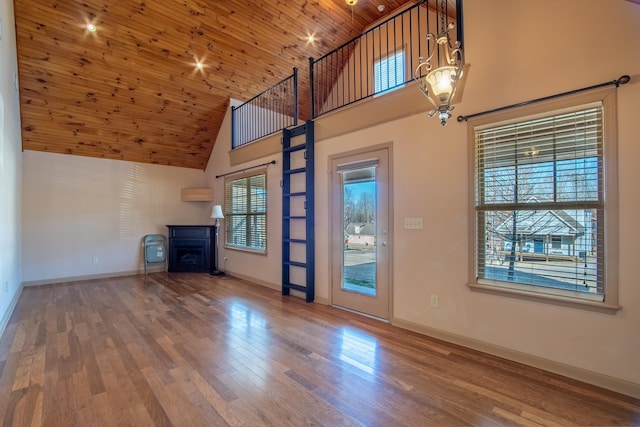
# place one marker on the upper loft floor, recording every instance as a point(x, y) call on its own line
point(364, 82)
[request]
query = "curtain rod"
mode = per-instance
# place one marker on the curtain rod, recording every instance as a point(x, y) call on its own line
point(272, 162)
point(622, 80)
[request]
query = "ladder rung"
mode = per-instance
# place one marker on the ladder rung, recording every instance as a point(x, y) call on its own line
point(295, 264)
point(294, 148)
point(295, 241)
point(294, 171)
point(299, 193)
point(298, 130)
point(296, 287)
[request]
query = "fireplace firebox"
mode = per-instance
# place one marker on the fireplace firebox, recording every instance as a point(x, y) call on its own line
point(191, 248)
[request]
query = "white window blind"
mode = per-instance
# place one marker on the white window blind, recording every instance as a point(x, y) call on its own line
point(246, 213)
point(389, 72)
point(539, 201)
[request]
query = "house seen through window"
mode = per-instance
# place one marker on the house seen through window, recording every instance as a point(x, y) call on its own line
point(246, 213)
point(539, 204)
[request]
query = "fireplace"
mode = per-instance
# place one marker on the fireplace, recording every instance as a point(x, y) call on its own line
point(190, 248)
point(188, 255)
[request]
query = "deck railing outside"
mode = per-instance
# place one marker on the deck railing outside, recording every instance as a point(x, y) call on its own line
point(266, 113)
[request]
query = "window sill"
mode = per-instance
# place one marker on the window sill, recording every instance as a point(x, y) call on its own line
point(249, 250)
point(549, 298)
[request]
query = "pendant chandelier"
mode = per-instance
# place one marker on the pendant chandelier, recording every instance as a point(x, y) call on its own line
point(445, 68)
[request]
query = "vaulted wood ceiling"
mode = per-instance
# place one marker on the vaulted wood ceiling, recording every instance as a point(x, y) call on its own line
point(131, 91)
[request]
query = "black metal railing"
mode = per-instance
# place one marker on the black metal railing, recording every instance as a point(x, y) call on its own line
point(381, 59)
point(271, 111)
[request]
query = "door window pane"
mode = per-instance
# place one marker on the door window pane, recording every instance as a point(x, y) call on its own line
point(359, 225)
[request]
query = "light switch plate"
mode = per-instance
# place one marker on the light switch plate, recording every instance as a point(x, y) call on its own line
point(413, 223)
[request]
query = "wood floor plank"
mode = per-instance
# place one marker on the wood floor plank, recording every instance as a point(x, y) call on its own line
point(143, 390)
point(186, 349)
point(36, 419)
point(91, 368)
point(235, 412)
point(121, 396)
point(515, 419)
point(102, 409)
point(208, 370)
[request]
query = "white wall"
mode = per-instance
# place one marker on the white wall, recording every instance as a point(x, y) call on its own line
point(519, 50)
point(587, 42)
point(10, 167)
point(264, 269)
point(77, 208)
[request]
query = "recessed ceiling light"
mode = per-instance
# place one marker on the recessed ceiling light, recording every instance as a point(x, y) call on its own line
point(311, 38)
point(91, 27)
point(199, 65)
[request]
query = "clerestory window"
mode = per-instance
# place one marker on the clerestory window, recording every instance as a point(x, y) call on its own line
point(389, 72)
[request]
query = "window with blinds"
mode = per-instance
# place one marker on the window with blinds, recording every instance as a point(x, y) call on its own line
point(539, 204)
point(389, 72)
point(246, 213)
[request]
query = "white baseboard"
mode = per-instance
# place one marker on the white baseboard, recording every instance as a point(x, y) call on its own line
point(321, 300)
point(605, 381)
point(7, 315)
point(276, 287)
point(53, 281)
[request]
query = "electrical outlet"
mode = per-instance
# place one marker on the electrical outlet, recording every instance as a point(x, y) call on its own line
point(434, 301)
point(96, 260)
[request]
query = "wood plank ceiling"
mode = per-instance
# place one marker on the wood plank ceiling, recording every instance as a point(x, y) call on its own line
point(131, 91)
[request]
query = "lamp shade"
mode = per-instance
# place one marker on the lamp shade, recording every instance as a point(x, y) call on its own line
point(442, 81)
point(216, 212)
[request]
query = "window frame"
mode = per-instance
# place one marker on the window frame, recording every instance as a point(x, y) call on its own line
point(608, 99)
point(229, 214)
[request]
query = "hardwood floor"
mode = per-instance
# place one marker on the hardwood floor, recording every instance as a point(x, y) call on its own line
point(196, 350)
